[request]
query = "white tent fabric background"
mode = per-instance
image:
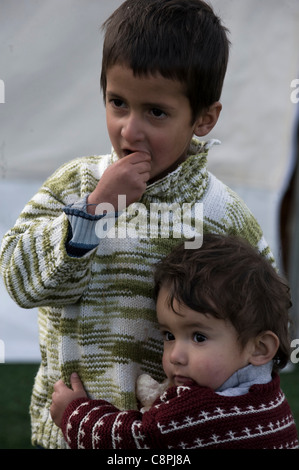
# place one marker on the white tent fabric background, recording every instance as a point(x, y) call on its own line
point(50, 57)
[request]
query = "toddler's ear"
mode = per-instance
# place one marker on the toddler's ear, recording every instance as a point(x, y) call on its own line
point(264, 348)
point(207, 120)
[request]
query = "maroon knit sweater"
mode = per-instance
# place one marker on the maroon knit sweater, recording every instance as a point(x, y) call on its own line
point(186, 417)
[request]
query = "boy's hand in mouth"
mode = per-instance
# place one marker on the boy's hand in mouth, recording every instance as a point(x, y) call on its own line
point(128, 177)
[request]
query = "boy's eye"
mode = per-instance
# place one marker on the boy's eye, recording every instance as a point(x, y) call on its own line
point(157, 113)
point(118, 103)
point(199, 338)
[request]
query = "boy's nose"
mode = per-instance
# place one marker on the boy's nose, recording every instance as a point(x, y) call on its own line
point(132, 129)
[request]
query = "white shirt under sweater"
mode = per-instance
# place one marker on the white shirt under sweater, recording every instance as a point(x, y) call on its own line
point(240, 382)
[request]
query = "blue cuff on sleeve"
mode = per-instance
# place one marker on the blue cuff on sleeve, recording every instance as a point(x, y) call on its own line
point(82, 237)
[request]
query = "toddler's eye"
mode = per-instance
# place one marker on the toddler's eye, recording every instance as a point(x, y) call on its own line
point(168, 336)
point(199, 338)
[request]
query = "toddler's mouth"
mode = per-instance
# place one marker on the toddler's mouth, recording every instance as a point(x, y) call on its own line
point(182, 380)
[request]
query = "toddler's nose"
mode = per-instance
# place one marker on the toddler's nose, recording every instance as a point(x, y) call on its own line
point(179, 354)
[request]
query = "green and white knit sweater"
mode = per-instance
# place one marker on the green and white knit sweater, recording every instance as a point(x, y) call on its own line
point(96, 312)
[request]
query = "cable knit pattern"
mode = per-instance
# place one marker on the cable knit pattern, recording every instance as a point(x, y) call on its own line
point(96, 312)
point(186, 417)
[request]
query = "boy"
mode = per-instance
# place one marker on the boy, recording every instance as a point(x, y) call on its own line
point(163, 67)
point(223, 315)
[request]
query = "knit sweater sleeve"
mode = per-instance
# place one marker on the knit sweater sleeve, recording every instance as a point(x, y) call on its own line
point(184, 418)
point(35, 265)
point(97, 424)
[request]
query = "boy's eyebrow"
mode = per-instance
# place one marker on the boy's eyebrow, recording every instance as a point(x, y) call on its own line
point(162, 106)
point(111, 94)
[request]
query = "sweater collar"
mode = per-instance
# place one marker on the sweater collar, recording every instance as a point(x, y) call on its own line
point(190, 178)
point(240, 382)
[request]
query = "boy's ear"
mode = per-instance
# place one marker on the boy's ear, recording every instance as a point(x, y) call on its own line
point(264, 348)
point(207, 120)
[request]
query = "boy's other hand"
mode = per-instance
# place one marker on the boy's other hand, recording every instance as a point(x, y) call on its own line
point(63, 396)
point(128, 176)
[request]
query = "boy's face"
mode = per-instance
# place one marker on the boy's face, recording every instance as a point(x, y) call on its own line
point(198, 347)
point(149, 114)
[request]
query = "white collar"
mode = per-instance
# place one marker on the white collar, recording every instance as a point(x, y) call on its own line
point(240, 382)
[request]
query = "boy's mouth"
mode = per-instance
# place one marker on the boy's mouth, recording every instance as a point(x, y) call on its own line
point(127, 152)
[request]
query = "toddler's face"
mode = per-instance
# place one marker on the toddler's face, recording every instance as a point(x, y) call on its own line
point(198, 347)
point(149, 114)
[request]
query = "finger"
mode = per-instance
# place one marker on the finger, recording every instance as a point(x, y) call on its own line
point(138, 157)
point(76, 383)
point(144, 167)
point(58, 385)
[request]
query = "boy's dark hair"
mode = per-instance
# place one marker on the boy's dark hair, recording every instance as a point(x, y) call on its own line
point(229, 279)
point(180, 39)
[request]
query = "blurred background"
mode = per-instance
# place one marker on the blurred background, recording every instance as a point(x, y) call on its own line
point(52, 111)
